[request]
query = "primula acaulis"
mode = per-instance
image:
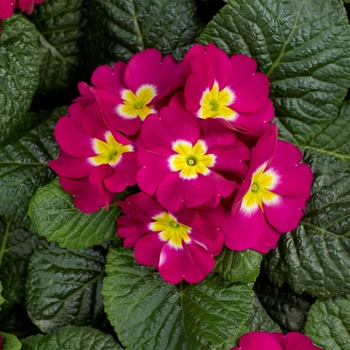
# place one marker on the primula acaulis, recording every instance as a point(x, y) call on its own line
point(260, 340)
point(195, 137)
point(271, 197)
point(94, 163)
point(180, 244)
point(181, 162)
point(227, 88)
point(128, 93)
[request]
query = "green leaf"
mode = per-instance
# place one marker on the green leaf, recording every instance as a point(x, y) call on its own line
point(316, 256)
point(23, 169)
point(10, 342)
point(20, 60)
point(285, 307)
point(241, 267)
point(64, 287)
point(55, 217)
point(17, 245)
point(148, 313)
point(328, 323)
point(77, 338)
point(259, 320)
point(304, 48)
point(59, 28)
point(117, 29)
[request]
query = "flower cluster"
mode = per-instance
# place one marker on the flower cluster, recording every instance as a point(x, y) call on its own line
point(196, 139)
point(7, 7)
point(275, 341)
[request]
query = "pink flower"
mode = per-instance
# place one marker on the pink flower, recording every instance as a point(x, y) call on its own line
point(179, 244)
point(7, 6)
point(275, 341)
point(94, 162)
point(128, 93)
point(272, 196)
point(227, 88)
point(183, 162)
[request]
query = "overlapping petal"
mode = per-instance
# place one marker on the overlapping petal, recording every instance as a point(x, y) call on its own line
point(181, 161)
point(260, 340)
point(94, 162)
point(180, 244)
point(227, 88)
point(130, 92)
point(271, 199)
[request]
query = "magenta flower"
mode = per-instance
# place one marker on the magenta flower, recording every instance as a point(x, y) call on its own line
point(179, 244)
point(94, 162)
point(7, 7)
point(182, 163)
point(260, 340)
point(272, 196)
point(128, 93)
point(227, 88)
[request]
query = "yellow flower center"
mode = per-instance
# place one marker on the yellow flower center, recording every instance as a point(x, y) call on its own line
point(260, 190)
point(191, 160)
point(109, 152)
point(214, 103)
point(137, 105)
point(170, 230)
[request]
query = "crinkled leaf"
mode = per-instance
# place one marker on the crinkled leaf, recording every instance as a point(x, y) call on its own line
point(64, 287)
point(241, 267)
point(30, 121)
point(59, 27)
point(17, 245)
point(23, 168)
point(10, 342)
point(303, 46)
point(55, 217)
point(316, 257)
point(328, 323)
point(117, 29)
point(69, 338)
point(259, 320)
point(148, 313)
point(285, 307)
point(20, 60)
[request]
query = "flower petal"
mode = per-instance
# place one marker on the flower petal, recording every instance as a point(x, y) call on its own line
point(221, 65)
point(268, 239)
point(286, 214)
point(294, 340)
point(108, 104)
point(256, 123)
point(148, 249)
point(72, 138)
point(26, 6)
point(251, 89)
point(154, 169)
point(259, 340)
point(243, 230)
point(110, 80)
point(141, 206)
point(186, 62)
point(173, 191)
point(68, 166)
point(6, 8)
